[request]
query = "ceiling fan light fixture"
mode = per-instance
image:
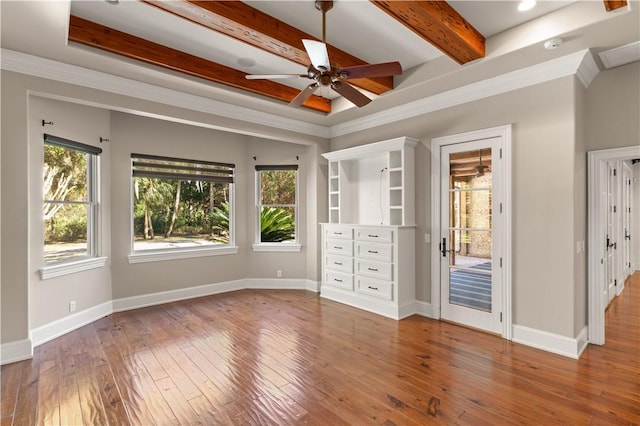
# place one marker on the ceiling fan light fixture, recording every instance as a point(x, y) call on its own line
point(526, 5)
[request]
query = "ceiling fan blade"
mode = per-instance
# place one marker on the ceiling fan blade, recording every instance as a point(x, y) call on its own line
point(371, 70)
point(273, 76)
point(304, 94)
point(351, 93)
point(318, 55)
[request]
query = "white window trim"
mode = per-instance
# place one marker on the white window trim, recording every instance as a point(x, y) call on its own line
point(289, 246)
point(277, 247)
point(144, 256)
point(160, 255)
point(93, 259)
point(71, 267)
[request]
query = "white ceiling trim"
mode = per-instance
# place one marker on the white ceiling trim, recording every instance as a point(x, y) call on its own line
point(621, 55)
point(580, 63)
point(535, 74)
point(80, 76)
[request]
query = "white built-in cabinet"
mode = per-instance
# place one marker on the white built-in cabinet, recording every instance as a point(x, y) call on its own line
point(368, 246)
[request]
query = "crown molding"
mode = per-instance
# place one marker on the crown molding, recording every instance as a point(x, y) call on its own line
point(540, 73)
point(587, 70)
point(53, 70)
point(580, 63)
point(620, 55)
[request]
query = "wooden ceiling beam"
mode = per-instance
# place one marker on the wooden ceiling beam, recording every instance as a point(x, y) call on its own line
point(243, 22)
point(611, 5)
point(110, 40)
point(439, 24)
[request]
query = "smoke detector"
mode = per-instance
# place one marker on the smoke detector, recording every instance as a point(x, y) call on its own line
point(554, 43)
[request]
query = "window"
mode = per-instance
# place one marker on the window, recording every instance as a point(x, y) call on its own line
point(276, 197)
point(70, 200)
point(181, 205)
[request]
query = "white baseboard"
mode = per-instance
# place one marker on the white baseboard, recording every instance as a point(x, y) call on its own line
point(422, 308)
point(15, 351)
point(550, 342)
point(281, 284)
point(69, 323)
point(23, 349)
point(151, 299)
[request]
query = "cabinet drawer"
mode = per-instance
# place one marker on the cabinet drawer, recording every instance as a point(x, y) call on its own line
point(340, 232)
point(336, 279)
point(341, 247)
point(369, 268)
point(339, 263)
point(380, 235)
point(374, 251)
point(376, 288)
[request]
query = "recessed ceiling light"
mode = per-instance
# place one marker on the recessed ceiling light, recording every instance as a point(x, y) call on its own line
point(526, 5)
point(246, 62)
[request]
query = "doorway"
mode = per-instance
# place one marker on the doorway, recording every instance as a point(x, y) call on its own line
point(598, 271)
point(470, 283)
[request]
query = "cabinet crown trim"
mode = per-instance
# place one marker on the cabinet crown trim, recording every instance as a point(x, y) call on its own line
point(376, 148)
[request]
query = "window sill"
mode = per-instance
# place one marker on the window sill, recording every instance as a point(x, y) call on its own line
point(278, 247)
point(67, 268)
point(162, 255)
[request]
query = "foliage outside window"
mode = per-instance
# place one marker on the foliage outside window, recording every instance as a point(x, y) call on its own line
point(70, 202)
point(180, 203)
point(277, 203)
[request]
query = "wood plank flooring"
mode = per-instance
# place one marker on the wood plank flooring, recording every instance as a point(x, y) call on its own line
point(289, 357)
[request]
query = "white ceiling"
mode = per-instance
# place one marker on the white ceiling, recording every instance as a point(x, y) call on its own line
point(352, 25)
point(514, 40)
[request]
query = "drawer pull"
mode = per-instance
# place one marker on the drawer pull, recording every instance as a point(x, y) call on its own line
point(337, 263)
point(337, 247)
point(372, 288)
point(337, 233)
point(373, 251)
point(373, 236)
point(373, 269)
point(337, 280)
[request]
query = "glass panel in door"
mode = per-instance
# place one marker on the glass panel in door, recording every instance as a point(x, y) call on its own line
point(470, 229)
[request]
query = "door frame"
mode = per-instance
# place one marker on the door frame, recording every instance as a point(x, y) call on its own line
point(596, 215)
point(503, 132)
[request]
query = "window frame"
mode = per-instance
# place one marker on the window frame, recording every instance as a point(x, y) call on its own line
point(282, 246)
point(93, 258)
point(163, 254)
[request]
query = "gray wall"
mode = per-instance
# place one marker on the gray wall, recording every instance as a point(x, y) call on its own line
point(49, 299)
point(543, 119)
point(27, 302)
point(553, 125)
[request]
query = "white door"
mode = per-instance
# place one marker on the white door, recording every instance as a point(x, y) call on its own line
point(611, 246)
point(470, 248)
point(626, 220)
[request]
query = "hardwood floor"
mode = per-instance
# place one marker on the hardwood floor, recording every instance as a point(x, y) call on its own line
point(289, 357)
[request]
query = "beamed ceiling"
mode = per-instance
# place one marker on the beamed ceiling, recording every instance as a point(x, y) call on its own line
point(437, 23)
point(207, 48)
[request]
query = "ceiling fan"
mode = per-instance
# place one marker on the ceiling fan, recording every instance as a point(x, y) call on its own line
point(324, 75)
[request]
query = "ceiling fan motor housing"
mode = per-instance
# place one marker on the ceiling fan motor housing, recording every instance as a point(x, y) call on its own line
point(324, 5)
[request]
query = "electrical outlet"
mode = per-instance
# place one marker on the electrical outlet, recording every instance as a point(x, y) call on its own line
point(72, 306)
point(279, 273)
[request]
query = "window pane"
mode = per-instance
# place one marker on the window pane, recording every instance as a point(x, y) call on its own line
point(278, 187)
point(65, 174)
point(277, 224)
point(65, 232)
point(176, 214)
